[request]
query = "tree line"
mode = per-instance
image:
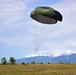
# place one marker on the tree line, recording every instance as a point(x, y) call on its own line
point(12, 60)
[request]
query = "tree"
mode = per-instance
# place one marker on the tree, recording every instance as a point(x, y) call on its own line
point(12, 60)
point(33, 62)
point(4, 60)
point(41, 63)
point(23, 63)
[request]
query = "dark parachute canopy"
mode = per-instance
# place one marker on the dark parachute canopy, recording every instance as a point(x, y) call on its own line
point(46, 15)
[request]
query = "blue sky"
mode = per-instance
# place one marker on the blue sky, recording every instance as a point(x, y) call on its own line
point(17, 29)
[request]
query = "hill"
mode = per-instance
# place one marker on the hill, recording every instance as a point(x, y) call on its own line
point(45, 59)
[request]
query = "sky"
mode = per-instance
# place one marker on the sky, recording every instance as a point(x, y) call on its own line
point(18, 31)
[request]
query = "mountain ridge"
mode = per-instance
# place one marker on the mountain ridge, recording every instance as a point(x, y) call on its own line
point(45, 59)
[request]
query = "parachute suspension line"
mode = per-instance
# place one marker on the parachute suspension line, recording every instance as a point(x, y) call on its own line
point(36, 37)
point(41, 35)
point(45, 34)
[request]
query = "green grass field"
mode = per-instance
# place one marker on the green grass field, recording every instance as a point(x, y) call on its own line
point(38, 69)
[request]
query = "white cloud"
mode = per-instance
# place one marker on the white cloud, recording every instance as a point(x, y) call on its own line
point(11, 10)
point(17, 41)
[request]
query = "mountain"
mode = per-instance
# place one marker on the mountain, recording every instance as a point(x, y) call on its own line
point(45, 59)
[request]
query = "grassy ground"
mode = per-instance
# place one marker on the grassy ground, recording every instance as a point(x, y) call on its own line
point(38, 69)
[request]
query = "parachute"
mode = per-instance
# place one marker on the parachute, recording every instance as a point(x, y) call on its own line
point(44, 15)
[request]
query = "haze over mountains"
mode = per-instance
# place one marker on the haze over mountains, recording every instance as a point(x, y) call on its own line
point(45, 59)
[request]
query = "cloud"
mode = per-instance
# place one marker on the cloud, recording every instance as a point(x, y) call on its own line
point(17, 41)
point(12, 10)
